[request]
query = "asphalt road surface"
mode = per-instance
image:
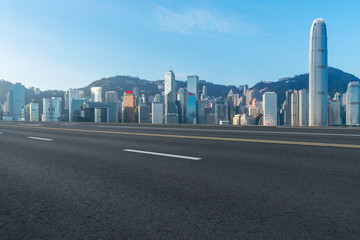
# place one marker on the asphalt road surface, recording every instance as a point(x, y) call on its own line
point(112, 181)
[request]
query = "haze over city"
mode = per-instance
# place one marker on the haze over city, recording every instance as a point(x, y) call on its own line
point(67, 44)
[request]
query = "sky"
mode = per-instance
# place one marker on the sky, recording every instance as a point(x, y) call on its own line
point(61, 44)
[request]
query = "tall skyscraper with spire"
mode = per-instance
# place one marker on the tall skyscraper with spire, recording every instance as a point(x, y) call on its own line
point(171, 113)
point(318, 74)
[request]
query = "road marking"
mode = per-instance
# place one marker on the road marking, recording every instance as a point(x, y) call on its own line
point(235, 131)
point(42, 139)
point(0, 133)
point(162, 154)
point(269, 141)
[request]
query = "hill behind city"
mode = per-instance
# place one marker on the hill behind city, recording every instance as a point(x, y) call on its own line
point(338, 81)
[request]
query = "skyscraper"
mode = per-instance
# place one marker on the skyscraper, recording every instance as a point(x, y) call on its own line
point(144, 114)
point(157, 113)
point(192, 98)
point(230, 98)
point(171, 114)
point(201, 112)
point(245, 88)
point(111, 96)
point(204, 93)
point(353, 104)
point(318, 74)
point(303, 107)
point(96, 96)
point(34, 112)
point(181, 100)
point(69, 97)
point(270, 109)
point(129, 107)
point(294, 108)
point(51, 110)
point(287, 108)
point(76, 104)
point(249, 96)
point(16, 101)
point(334, 113)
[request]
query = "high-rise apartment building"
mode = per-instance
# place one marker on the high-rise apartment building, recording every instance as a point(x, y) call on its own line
point(245, 89)
point(303, 108)
point(249, 97)
point(287, 108)
point(294, 116)
point(318, 74)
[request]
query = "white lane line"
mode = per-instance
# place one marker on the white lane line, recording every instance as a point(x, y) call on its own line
point(237, 131)
point(162, 154)
point(42, 139)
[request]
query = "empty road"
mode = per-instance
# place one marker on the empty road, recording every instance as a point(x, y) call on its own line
point(113, 181)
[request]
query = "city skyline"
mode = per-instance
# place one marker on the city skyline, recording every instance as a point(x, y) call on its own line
point(302, 107)
point(49, 59)
point(165, 119)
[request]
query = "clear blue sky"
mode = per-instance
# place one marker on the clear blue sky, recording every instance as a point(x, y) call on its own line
point(58, 44)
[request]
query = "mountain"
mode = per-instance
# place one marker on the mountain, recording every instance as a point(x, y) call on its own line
point(5, 87)
point(338, 81)
point(151, 88)
point(122, 84)
point(29, 95)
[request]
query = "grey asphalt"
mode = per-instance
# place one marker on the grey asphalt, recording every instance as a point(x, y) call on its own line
point(83, 185)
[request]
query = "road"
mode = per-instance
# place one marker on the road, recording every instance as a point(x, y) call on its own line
point(113, 181)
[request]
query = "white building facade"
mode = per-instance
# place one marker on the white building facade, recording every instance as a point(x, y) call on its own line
point(34, 112)
point(157, 112)
point(352, 103)
point(51, 110)
point(318, 74)
point(270, 109)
